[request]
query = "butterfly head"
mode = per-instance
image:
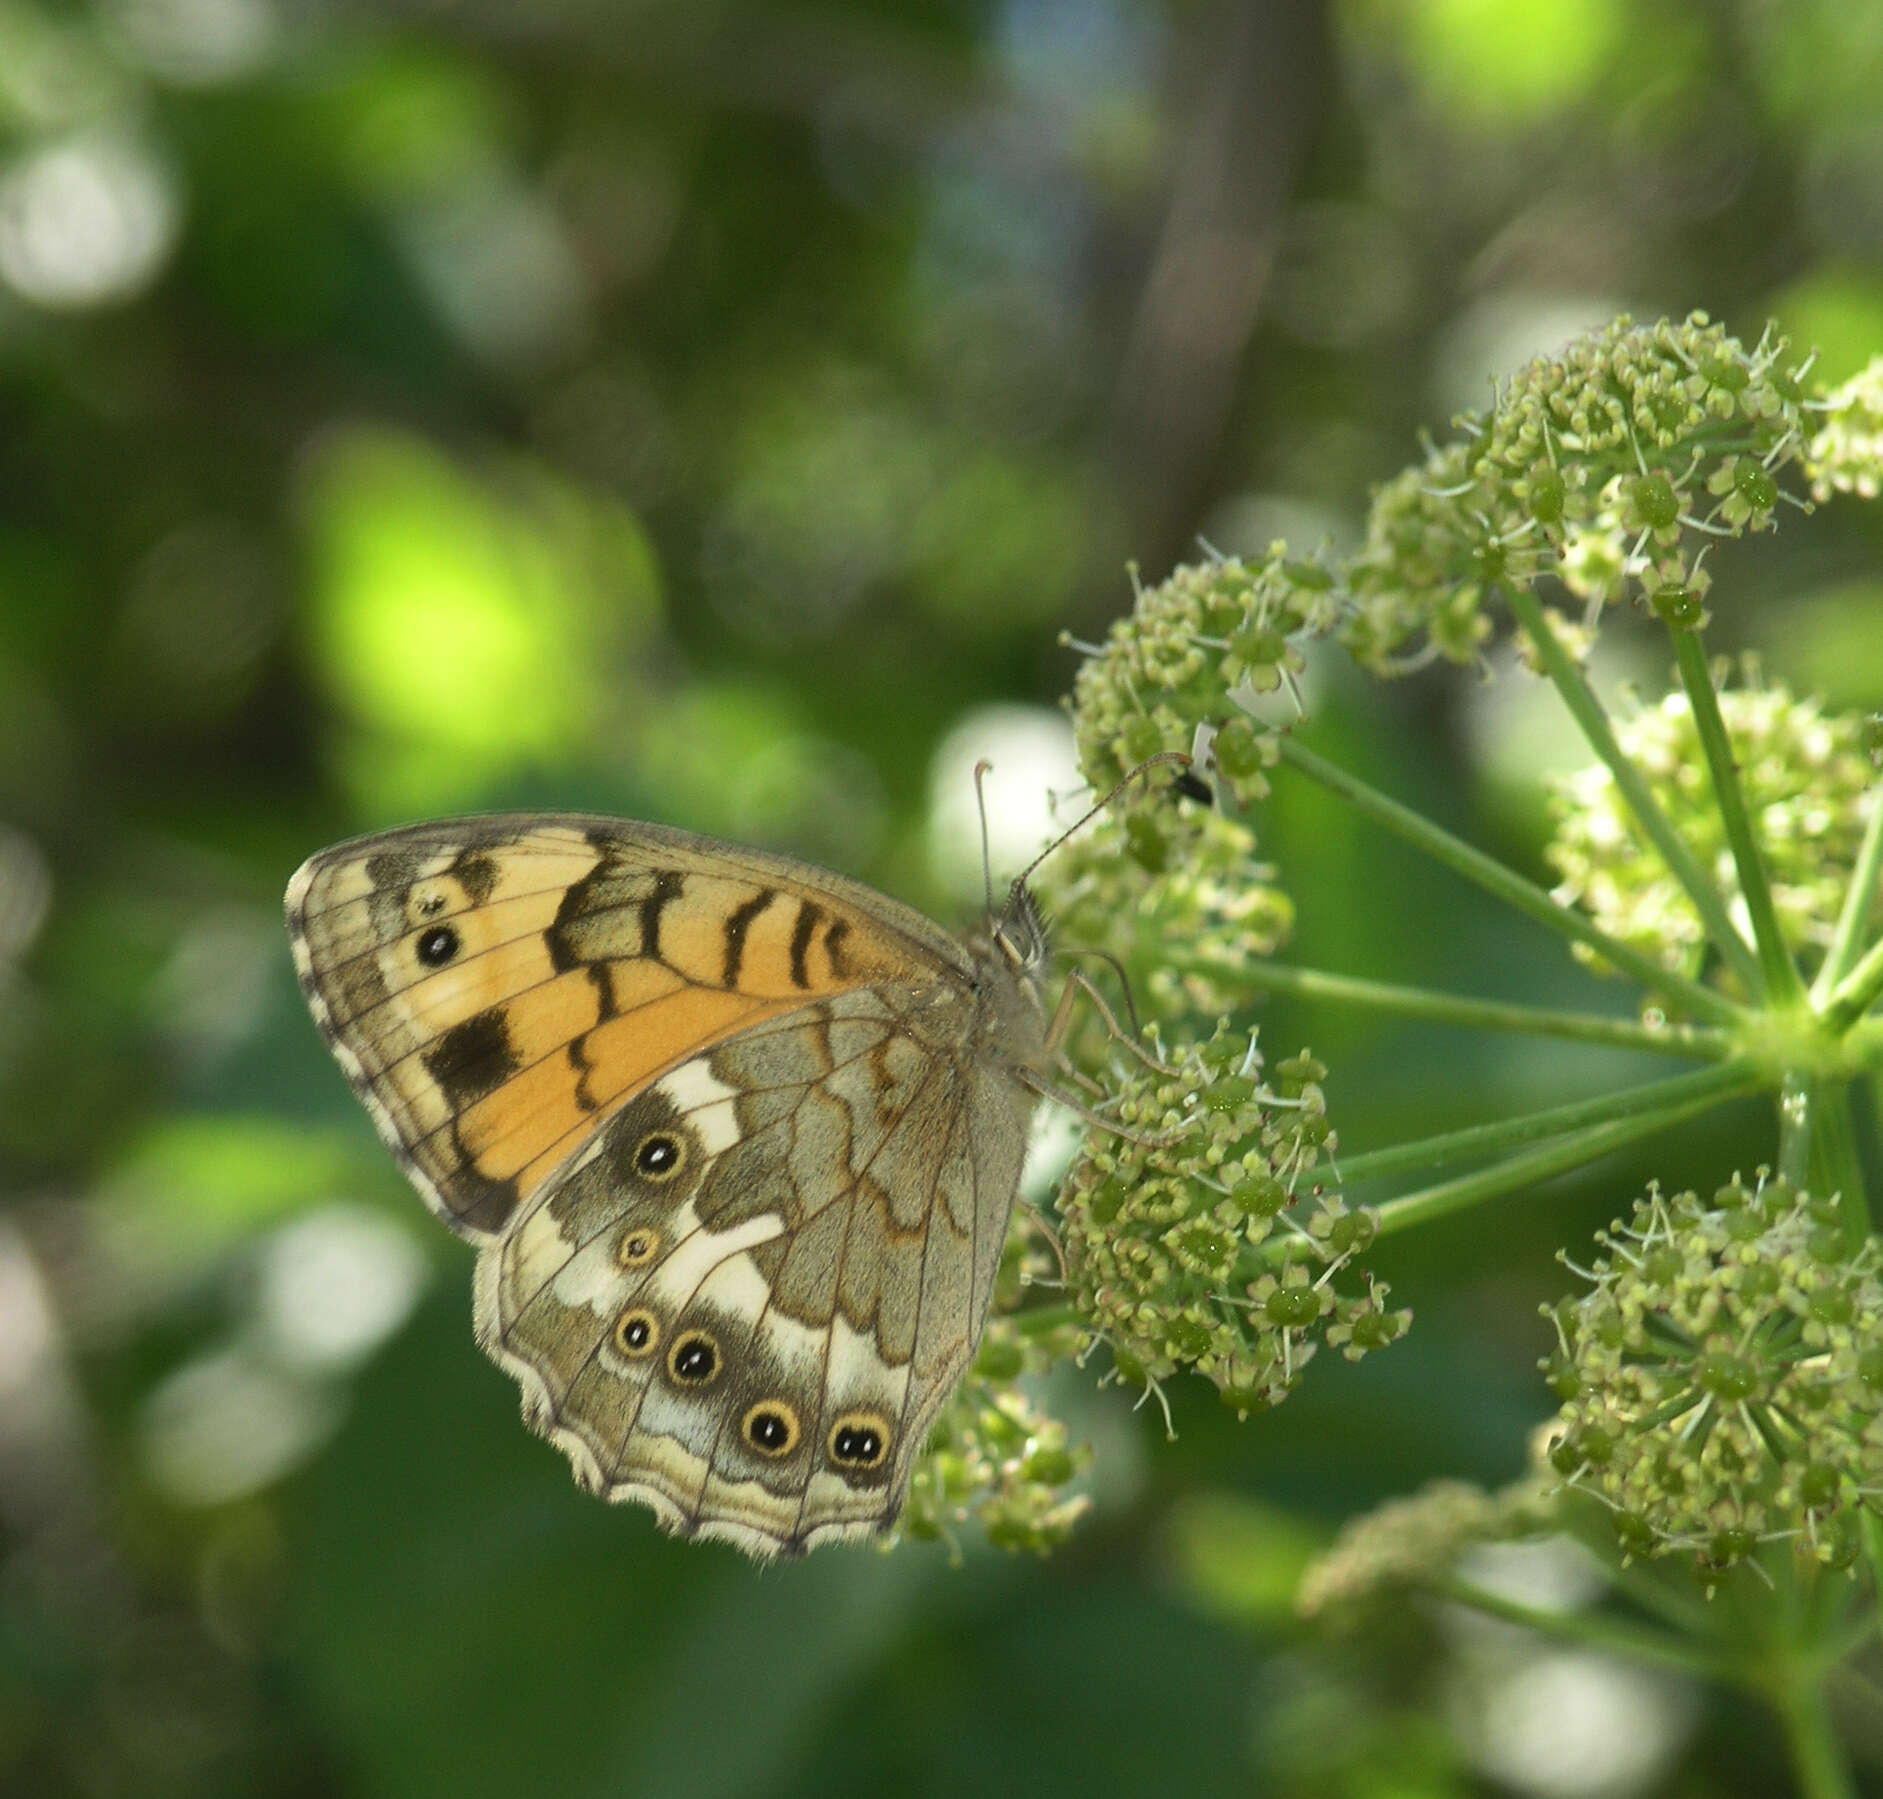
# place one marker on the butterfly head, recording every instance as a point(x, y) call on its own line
point(1019, 933)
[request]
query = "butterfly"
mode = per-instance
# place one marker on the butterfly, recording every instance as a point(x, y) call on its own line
point(737, 1140)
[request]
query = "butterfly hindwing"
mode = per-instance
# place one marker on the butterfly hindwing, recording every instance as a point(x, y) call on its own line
point(754, 1339)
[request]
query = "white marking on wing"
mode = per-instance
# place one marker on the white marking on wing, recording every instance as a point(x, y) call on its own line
point(859, 1377)
point(706, 1102)
point(594, 1278)
point(696, 1252)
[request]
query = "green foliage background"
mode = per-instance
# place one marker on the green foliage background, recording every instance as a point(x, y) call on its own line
point(693, 409)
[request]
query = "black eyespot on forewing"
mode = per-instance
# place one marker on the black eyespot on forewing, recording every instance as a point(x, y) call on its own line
point(437, 946)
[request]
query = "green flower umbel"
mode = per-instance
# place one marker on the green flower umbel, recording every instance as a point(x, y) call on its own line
point(1184, 1251)
point(1722, 1382)
point(1809, 787)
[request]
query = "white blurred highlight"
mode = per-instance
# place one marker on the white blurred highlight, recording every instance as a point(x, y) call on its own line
point(1558, 1723)
point(331, 1287)
point(228, 1424)
point(198, 43)
point(334, 1286)
point(1031, 751)
point(85, 222)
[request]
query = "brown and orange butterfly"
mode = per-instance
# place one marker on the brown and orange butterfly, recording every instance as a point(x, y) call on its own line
point(738, 1141)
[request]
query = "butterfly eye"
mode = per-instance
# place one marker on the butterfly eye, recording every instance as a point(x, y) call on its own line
point(437, 946)
point(637, 1332)
point(771, 1427)
point(694, 1359)
point(638, 1248)
point(859, 1440)
point(659, 1157)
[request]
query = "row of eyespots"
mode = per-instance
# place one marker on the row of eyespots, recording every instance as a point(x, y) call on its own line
point(857, 1439)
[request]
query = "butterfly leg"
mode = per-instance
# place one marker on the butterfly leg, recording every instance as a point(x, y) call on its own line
point(1060, 1024)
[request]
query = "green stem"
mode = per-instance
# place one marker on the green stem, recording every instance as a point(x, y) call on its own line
point(1571, 1151)
point(1835, 1165)
point(1524, 896)
point(1781, 981)
point(1593, 1630)
point(1587, 711)
point(1816, 1756)
point(1695, 1043)
point(1859, 897)
point(1715, 1085)
point(1797, 1115)
point(1856, 992)
point(1872, 1528)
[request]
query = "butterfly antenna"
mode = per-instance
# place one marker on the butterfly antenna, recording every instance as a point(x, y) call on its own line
point(1163, 759)
point(982, 770)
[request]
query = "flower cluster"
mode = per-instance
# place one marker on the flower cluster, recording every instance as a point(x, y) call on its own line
point(1722, 1381)
point(1602, 465)
point(993, 1456)
point(1846, 454)
point(1182, 1250)
point(1808, 786)
point(1608, 466)
point(1181, 924)
point(1201, 648)
point(1416, 1542)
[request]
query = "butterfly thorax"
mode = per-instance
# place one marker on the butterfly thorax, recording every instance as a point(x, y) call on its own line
point(1010, 953)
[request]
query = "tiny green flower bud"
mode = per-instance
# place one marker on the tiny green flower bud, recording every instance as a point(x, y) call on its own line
point(1654, 501)
point(1680, 608)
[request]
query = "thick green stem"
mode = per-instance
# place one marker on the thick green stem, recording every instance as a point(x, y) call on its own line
point(1587, 711)
point(1835, 1167)
point(1666, 1098)
point(1859, 897)
point(1572, 1151)
point(1816, 1756)
point(1695, 1043)
point(1783, 987)
point(1797, 1116)
point(1524, 896)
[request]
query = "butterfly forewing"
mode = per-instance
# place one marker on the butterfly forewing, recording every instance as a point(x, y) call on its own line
point(493, 987)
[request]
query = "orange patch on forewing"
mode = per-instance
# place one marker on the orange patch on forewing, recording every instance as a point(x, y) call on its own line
point(486, 929)
point(635, 983)
point(860, 955)
point(766, 965)
point(518, 872)
point(624, 1054)
point(509, 1128)
point(693, 926)
point(529, 1125)
point(539, 863)
point(548, 1018)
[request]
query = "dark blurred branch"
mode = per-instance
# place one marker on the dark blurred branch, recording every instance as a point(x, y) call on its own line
point(1260, 88)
